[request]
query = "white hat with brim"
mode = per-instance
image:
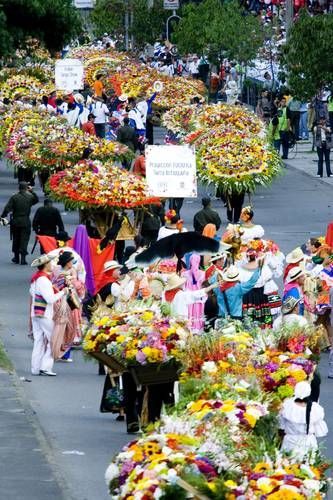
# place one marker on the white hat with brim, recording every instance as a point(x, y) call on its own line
point(174, 281)
point(231, 274)
point(218, 256)
point(302, 390)
point(289, 304)
point(294, 274)
point(123, 98)
point(111, 264)
point(295, 256)
point(42, 260)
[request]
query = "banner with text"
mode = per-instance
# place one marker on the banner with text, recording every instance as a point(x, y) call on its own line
point(171, 4)
point(171, 171)
point(69, 74)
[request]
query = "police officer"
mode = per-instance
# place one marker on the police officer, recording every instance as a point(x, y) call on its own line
point(19, 205)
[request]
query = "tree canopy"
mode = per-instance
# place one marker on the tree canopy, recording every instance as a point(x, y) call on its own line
point(148, 22)
point(307, 55)
point(220, 28)
point(54, 22)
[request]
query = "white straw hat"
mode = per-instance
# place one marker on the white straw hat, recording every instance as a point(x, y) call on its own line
point(295, 256)
point(302, 390)
point(111, 264)
point(231, 274)
point(294, 274)
point(43, 259)
point(174, 281)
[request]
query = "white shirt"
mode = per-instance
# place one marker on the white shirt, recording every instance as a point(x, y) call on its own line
point(184, 298)
point(289, 319)
point(250, 233)
point(135, 115)
point(73, 117)
point(43, 286)
point(100, 110)
point(142, 106)
point(48, 108)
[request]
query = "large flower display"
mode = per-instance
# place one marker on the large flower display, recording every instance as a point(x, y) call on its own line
point(93, 184)
point(232, 150)
point(221, 440)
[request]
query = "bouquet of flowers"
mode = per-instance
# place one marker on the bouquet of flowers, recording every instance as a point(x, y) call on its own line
point(93, 184)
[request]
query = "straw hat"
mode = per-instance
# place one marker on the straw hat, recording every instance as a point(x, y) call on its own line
point(42, 260)
point(295, 256)
point(79, 98)
point(294, 274)
point(302, 390)
point(174, 281)
point(289, 304)
point(218, 256)
point(111, 264)
point(123, 98)
point(156, 286)
point(231, 274)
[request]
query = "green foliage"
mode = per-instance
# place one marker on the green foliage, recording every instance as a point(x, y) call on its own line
point(54, 22)
point(220, 28)
point(307, 55)
point(148, 23)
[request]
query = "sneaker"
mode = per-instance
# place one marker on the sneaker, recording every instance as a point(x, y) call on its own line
point(48, 373)
point(62, 360)
point(133, 428)
point(318, 175)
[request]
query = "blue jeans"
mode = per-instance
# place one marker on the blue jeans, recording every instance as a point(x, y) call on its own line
point(303, 125)
point(277, 145)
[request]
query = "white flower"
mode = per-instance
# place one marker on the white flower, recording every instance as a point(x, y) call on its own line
point(172, 476)
point(209, 367)
point(312, 485)
point(111, 473)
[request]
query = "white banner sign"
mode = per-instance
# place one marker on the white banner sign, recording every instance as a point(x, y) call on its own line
point(171, 171)
point(171, 4)
point(69, 74)
point(84, 4)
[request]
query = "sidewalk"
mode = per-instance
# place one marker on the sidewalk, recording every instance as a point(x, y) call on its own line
point(305, 160)
point(25, 470)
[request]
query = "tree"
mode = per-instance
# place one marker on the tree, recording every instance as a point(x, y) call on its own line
point(219, 28)
point(307, 55)
point(147, 22)
point(54, 22)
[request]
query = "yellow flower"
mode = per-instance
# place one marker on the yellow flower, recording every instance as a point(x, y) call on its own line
point(251, 420)
point(299, 375)
point(147, 316)
point(230, 484)
point(261, 467)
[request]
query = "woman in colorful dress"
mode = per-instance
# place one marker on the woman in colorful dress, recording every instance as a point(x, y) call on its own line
point(250, 230)
point(67, 320)
point(194, 279)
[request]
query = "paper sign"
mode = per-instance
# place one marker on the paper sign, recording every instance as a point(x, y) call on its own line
point(171, 4)
point(69, 74)
point(84, 4)
point(171, 171)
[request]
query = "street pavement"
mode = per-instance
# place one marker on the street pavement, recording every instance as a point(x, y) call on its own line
point(75, 442)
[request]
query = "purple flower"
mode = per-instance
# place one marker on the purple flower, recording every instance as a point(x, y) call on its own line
point(140, 357)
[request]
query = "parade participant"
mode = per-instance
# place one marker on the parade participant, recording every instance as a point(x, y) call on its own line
point(47, 220)
point(233, 202)
point(89, 127)
point(139, 167)
point(19, 205)
point(284, 127)
point(43, 298)
point(98, 86)
point(250, 230)
point(218, 263)
point(324, 144)
point(230, 291)
point(173, 224)
point(293, 287)
point(126, 135)
point(289, 314)
point(100, 110)
point(179, 299)
point(112, 271)
point(67, 314)
point(194, 280)
point(296, 258)
point(45, 107)
point(255, 301)
point(151, 223)
point(302, 421)
point(209, 231)
point(206, 216)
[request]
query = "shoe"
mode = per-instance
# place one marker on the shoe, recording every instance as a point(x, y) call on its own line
point(133, 428)
point(284, 157)
point(329, 377)
point(329, 176)
point(15, 260)
point(120, 418)
point(318, 175)
point(23, 261)
point(48, 373)
point(62, 360)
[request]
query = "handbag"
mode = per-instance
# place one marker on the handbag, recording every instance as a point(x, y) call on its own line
point(73, 299)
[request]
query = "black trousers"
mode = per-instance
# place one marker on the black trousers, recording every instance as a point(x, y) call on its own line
point(294, 122)
point(284, 136)
point(176, 204)
point(157, 395)
point(132, 399)
point(21, 236)
point(234, 207)
point(100, 130)
point(322, 153)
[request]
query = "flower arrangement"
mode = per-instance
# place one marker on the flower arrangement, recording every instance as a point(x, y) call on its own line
point(20, 85)
point(93, 184)
point(137, 337)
